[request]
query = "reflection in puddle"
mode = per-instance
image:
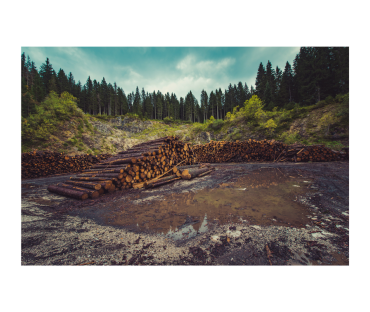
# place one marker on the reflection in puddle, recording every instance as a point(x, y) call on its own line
point(261, 197)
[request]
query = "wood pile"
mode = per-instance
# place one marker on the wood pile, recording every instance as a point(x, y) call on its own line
point(142, 163)
point(162, 161)
point(40, 164)
point(265, 150)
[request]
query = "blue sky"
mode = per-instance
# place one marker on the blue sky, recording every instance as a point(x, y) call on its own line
point(168, 69)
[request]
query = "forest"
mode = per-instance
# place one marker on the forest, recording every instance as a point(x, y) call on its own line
point(316, 74)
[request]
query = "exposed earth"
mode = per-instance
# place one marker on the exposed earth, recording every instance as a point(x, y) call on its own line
point(240, 214)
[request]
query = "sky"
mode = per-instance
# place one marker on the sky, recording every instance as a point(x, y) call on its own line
point(168, 69)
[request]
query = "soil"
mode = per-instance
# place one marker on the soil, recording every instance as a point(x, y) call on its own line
point(240, 214)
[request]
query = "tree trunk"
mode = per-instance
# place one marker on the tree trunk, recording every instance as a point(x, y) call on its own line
point(67, 192)
point(91, 193)
point(93, 186)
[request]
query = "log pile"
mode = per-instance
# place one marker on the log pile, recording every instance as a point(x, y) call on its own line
point(166, 160)
point(265, 150)
point(40, 164)
point(140, 164)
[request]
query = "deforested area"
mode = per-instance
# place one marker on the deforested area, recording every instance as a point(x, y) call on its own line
point(254, 173)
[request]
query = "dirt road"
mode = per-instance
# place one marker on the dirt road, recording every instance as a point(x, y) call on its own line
point(240, 214)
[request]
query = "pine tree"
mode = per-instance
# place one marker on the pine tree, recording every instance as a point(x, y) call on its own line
point(115, 99)
point(110, 99)
point(212, 104)
point(71, 84)
point(167, 105)
point(24, 68)
point(246, 92)
point(137, 103)
point(204, 104)
point(181, 108)
point(52, 85)
point(37, 86)
point(77, 92)
point(341, 69)
point(241, 94)
point(253, 91)
point(154, 104)
point(159, 107)
point(143, 97)
point(286, 86)
point(261, 82)
point(104, 95)
point(46, 73)
point(270, 92)
point(63, 84)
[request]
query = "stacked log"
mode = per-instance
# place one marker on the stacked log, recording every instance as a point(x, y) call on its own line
point(265, 150)
point(165, 160)
point(140, 164)
point(41, 164)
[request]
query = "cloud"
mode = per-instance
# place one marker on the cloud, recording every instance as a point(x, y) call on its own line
point(37, 55)
point(203, 68)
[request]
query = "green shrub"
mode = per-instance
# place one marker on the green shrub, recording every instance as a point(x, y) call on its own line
point(216, 124)
point(344, 108)
point(320, 104)
point(252, 107)
point(270, 126)
point(168, 120)
point(290, 106)
point(48, 116)
point(305, 141)
point(339, 98)
point(329, 99)
point(290, 137)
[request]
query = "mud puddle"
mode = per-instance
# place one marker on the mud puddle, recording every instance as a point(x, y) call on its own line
point(262, 197)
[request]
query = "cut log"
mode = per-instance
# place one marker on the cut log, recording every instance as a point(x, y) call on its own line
point(67, 192)
point(205, 173)
point(147, 184)
point(159, 183)
point(95, 171)
point(89, 179)
point(188, 174)
point(93, 186)
point(102, 175)
point(92, 193)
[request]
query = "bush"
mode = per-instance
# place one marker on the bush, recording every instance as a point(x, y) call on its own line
point(290, 106)
point(339, 98)
point(344, 108)
point(329, 99)
point(168, 120)
point(290, 137)
point(327, 120)
point(320, 104)
point(216, 124)
point(48, 116)
point(252, 107)
point(270, 126)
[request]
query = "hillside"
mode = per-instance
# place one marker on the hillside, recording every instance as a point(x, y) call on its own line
point(59, 125)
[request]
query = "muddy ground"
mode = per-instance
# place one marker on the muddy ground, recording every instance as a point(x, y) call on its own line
point(240, 214)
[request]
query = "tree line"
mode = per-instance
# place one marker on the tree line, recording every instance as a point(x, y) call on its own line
point(316, 73)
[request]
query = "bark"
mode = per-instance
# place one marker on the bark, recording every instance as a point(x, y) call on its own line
point(67, 192)
point(94, 186)
point(188, 174)
point(159, 183)
point(92, 193)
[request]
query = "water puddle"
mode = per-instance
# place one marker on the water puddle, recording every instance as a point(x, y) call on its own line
point(262, 197)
